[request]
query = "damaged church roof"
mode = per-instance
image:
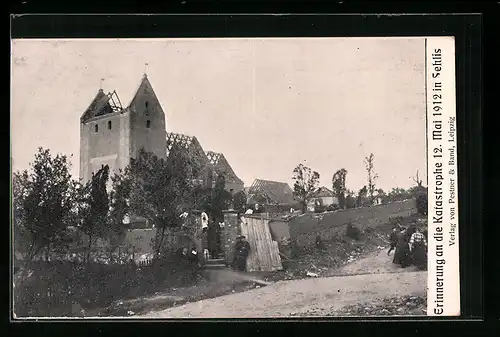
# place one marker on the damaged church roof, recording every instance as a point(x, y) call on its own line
point(277, 192)
point(215, 160)
point(101, 105)
point(221, 166)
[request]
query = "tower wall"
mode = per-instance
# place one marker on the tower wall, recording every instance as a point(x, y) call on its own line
point(104, 146)
point(147, 122)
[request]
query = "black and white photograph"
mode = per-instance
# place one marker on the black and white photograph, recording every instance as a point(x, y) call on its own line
point(233, 178)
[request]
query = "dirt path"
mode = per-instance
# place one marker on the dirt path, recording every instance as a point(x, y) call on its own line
point(377, 279)
point(374, 263)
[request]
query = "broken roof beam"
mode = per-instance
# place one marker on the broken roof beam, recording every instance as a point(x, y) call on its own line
point(115, 103)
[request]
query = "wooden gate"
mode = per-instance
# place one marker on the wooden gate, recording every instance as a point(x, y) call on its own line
point(264, 253)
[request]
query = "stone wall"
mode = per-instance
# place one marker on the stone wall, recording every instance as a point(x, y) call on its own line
point(143, 134)
point(231, 230)
point(305, 228)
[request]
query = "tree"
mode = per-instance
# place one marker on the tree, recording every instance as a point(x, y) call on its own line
point(43, 202)
point(372, 176)
point(362, 196)
point(239, 200)
point(419, 193)
point(221, 199)
point(306, 182)
point(161, 189)
point(94, 207)
point(350, 200)
point(119, 209)
point(381, 194)
point(20, 185)
point(397, 194)
point(417, 180)
point(339, 188)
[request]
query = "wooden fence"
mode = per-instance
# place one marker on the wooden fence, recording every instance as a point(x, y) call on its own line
point(264, 252)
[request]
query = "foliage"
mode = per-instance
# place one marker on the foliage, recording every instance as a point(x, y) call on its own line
point(419, 192)
point(362, 196)
point(239, 200)
point(381, 194)
point(161, 189)
point(339, 187)
point(397, 194)
point(306, 182)
point(213, 200)
point(221, 199)
point(43, 204)
point(119, 209)
point(93, 207)
point(372, 176)
point(350, 200)
point(422, 204)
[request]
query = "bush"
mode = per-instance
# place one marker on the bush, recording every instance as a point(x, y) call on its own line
point(55, 286)
point(422, 203)
point(331, 208)
point(353, 232)
point(319, 209)
point(399, 220)
point(294, 248)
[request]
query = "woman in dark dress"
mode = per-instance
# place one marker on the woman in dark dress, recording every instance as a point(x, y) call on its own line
point(402, 254)
point(418, 247)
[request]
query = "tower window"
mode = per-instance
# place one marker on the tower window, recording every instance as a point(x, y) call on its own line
point(109, 125)
point(146, 104)
point(148, 123)
point(96, 128)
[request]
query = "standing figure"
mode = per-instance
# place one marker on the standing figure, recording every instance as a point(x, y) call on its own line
point(204, 227)
point(418, 249)
point(394, 238)
point(402, 253)
point(242, 249)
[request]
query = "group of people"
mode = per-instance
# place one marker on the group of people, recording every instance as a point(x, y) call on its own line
point(410, 246)
point(207, 243)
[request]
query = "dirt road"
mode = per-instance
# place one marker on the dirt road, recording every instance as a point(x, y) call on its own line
point(377, 279)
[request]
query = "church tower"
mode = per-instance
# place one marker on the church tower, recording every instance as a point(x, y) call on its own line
point(111, 134)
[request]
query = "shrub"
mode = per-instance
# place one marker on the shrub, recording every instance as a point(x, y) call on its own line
point(331, 208)
point(319, 209)
point(353, 232)
point(422, 203)
point(399, 220)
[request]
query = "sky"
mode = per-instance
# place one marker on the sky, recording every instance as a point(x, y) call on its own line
point(266, 104)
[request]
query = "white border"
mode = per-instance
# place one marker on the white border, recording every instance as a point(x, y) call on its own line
point(443, 294)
